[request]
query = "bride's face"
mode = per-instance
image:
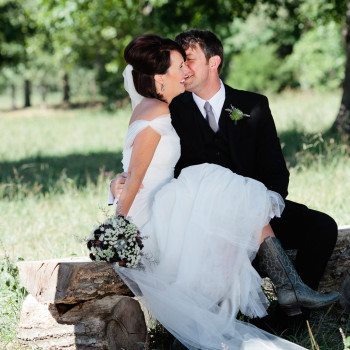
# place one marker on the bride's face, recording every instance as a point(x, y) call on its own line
point(174, 78)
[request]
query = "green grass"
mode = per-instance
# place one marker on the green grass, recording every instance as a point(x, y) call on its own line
point(55, 166)
point(319, 162)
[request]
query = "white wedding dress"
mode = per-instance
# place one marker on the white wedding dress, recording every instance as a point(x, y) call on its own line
point(203, 231)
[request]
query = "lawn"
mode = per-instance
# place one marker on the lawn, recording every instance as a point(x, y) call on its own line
point(55, 166)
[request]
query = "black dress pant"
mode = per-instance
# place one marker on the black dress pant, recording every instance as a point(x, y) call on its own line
point(312, 233)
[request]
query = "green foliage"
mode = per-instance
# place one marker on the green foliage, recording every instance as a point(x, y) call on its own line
point(10, 277)
point(346, 340)
point(92, 34)
point(258, 70)
point(15, 26)
point(12, 294)
point(315, 12)
point(318, 58)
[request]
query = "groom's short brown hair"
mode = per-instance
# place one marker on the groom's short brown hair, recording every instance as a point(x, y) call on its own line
point(207, 41)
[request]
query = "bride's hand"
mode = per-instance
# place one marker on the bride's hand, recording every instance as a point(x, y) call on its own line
point(117, 184)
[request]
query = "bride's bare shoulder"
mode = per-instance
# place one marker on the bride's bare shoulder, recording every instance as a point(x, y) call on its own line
point(149, 109)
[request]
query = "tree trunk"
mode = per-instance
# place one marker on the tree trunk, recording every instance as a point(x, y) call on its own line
point(66, 90)
point(27, 93)
point(43, 96)
point(342, 122)
point(92, 90)
point(13, 96)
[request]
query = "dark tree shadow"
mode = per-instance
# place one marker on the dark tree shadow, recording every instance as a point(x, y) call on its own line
point(298, 145)
point(40, 175)
point(291, 142)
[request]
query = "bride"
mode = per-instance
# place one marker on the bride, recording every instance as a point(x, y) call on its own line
point(203, 229)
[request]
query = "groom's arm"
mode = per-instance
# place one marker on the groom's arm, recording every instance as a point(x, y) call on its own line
point(272, 167)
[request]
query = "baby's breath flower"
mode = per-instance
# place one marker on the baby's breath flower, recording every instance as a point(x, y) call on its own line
point(116, 240)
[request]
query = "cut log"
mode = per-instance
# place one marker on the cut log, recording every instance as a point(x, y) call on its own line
point(73, 280)
point(345, 292)
point(113, 322)
point(70, 281)
point(338, 264)
point(80, 304)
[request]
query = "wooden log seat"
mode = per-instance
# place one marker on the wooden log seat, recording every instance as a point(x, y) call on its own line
point(76, 303)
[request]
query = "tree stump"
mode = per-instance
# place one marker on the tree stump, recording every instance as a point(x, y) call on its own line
point(78, 304)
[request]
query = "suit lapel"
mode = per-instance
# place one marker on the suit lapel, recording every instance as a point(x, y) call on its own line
point(234, 133)
point(228, 128)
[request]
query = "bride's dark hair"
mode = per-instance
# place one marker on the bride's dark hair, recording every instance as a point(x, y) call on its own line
point(149, 54)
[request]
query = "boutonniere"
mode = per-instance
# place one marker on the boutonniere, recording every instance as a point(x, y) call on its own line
point(236, 114)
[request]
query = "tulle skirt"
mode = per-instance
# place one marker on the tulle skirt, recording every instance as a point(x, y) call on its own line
point(202, 233)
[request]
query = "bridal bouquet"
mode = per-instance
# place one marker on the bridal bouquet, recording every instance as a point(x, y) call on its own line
point(116, 240)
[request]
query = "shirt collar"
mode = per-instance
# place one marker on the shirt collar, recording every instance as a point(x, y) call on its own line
point(217, 102)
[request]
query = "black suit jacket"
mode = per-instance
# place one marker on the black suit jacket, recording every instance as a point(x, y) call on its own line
point(253, 146)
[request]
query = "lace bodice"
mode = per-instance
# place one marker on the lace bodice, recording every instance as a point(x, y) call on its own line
point(161, 168)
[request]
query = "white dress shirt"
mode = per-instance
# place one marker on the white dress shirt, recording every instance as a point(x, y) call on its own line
point(216, 102)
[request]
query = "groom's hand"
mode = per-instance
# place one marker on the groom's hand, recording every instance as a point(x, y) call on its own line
point(117, 184)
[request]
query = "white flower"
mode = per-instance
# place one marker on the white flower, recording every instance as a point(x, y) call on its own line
point(119, 239)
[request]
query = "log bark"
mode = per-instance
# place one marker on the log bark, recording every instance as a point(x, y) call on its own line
point(339, 262)
point(345, 292)
point(113, 322)
point(70, 281)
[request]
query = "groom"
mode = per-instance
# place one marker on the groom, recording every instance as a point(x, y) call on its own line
point(249, 147)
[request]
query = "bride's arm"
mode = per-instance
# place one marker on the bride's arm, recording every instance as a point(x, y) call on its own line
point(144, 146)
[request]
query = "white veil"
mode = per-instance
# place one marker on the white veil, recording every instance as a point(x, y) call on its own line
point(130, 87)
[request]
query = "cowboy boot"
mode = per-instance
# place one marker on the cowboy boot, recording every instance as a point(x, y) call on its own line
point(292, 293)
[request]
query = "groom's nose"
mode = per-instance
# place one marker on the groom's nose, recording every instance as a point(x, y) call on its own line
point(187, 70)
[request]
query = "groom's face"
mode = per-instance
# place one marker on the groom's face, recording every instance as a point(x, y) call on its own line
point(197, 70)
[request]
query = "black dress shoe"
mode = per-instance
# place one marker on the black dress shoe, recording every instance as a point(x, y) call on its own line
point(178, 346)
point(278, 323)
